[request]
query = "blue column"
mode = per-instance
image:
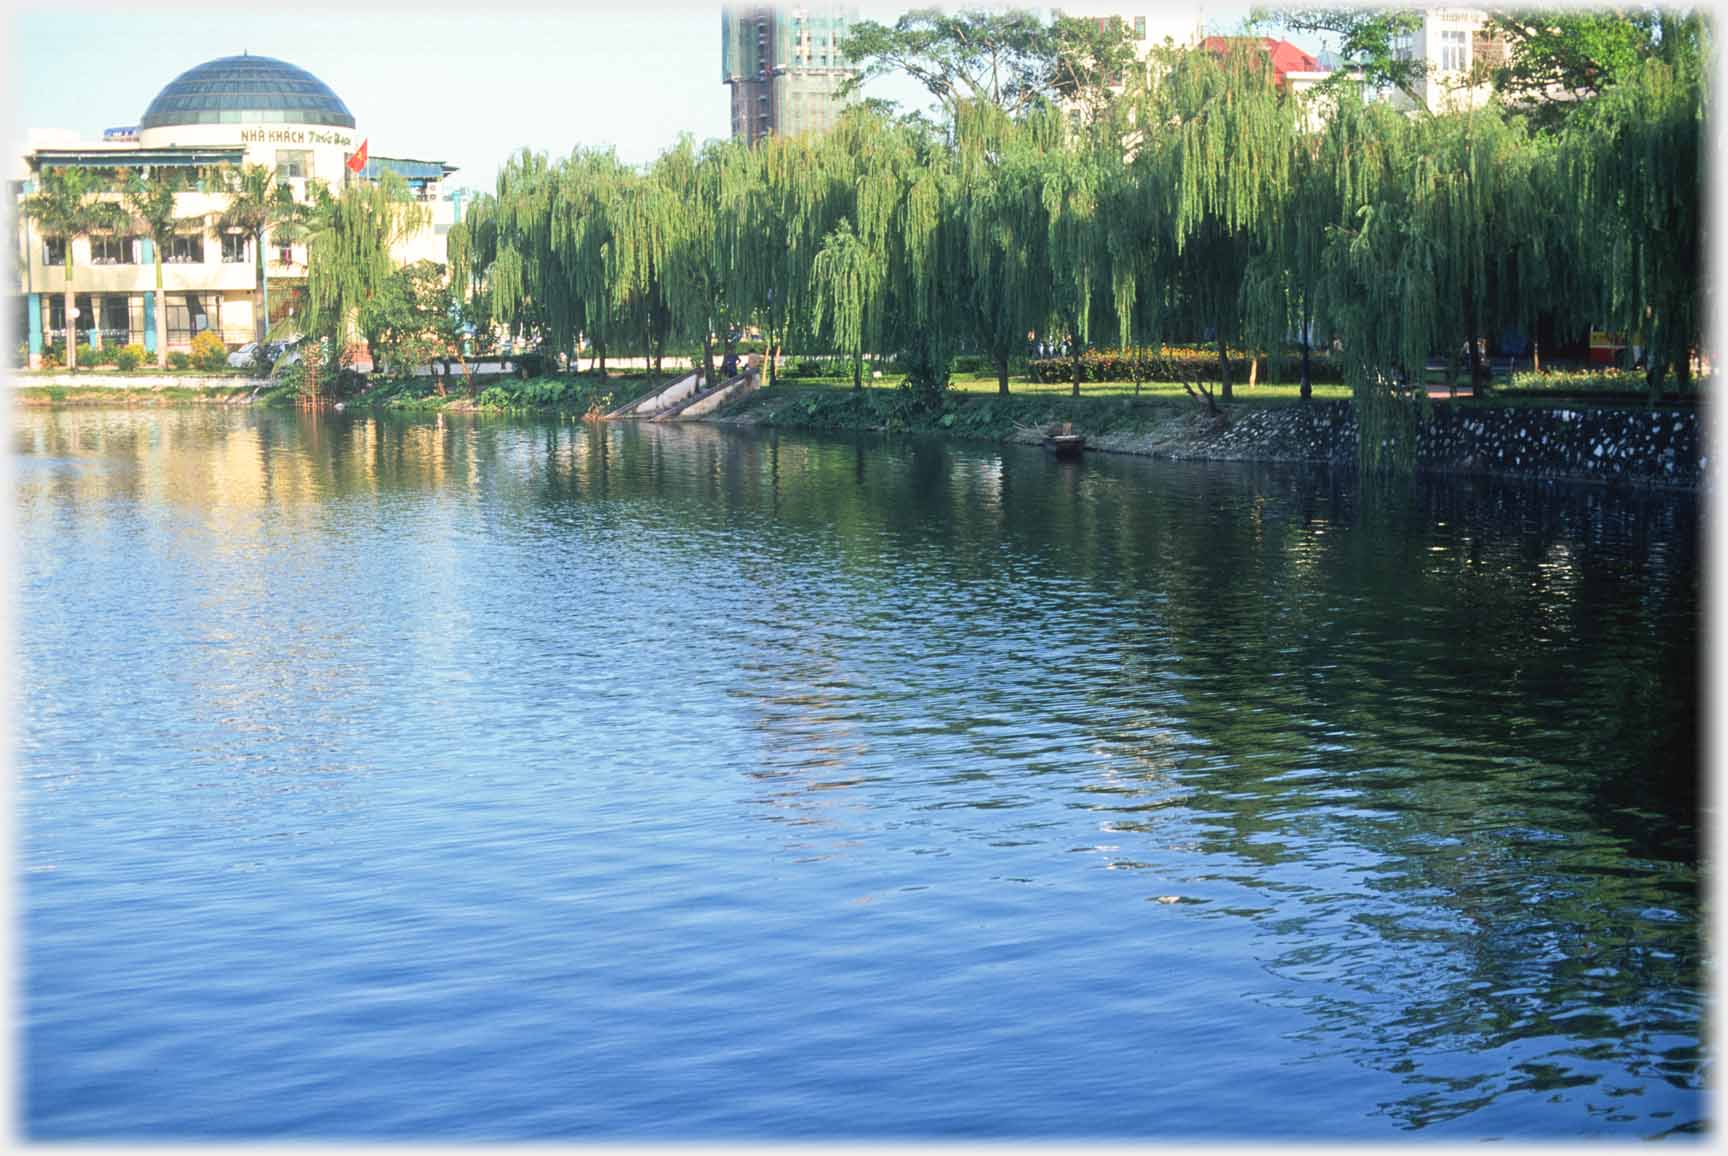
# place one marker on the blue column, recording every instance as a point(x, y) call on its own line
point(150, 322)
point(34, 309)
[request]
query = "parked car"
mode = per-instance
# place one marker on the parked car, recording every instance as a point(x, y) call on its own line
point(247, 355)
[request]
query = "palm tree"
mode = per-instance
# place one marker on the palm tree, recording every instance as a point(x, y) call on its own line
point(259, 205)
point(151, 200)
point(66, 207)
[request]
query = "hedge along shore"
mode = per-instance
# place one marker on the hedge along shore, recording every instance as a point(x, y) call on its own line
point(1636, 444)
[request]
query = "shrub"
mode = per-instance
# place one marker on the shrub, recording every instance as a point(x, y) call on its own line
point(1181, 363)
point(1603, 380)
point(107, 355)
point(208, 352)
point(293, 376)
point(807, 367)
point(494, 397)
point(129, 357)
point(179, 360)
point(54, 354)
point(969, 364)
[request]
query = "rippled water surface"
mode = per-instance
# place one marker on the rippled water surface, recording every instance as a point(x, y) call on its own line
point(489, 780)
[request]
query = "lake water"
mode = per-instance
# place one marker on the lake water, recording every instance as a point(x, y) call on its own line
point(495, 779)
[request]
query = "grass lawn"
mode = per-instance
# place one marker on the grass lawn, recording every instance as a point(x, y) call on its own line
point(984, 384)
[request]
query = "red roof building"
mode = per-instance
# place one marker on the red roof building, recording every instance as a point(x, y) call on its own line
point(1286, 57)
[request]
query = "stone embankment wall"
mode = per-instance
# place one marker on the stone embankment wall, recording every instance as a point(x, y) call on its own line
point(1637, 445)
point(96, 379)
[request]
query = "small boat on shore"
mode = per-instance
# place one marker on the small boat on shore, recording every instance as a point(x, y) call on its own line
point(1063, 441)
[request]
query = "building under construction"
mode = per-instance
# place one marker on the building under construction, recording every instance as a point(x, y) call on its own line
point(784, 66)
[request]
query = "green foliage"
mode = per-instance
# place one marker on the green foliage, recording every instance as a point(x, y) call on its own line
point(129, 357)
point(1558, 55)
point(1174, 363)
point(179, 359)
point(1203, 201)
point(1006, 58)
point(1614, 381)
point(349, 236)
point(1367, 40)
point(208, 352)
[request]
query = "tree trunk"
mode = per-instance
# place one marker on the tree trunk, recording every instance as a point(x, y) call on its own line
point(1223, 367)
point(1478, 372)
point(161, 313)
point(1307, 390)
point(1253, 369)
point(708, 357)
point(1002, 375)
point(263, 288)
point(773, 361)
point(1075, 346)
point(1535, 356)
point(858, 372)
point(66, 312)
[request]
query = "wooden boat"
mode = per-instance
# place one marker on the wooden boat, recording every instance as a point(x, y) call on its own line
point(1063, 441)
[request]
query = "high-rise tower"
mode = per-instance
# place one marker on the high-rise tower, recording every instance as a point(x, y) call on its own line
point(784, 66)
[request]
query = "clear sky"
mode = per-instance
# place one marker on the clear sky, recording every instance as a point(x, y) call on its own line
point(465, 85)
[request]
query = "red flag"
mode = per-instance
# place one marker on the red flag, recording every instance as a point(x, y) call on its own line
point(357, 162)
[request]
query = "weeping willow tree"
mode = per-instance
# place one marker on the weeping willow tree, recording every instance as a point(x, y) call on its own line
point(1070, 180)
point(1635, 158)
point(926, 259)
point(1137, 246)
point(699, 285)
point(349, 236)
point(1220, 138)
point(589, 200)
point(1377, 274)
point(1282, 284)
point(848, 277)
point(649, 219)
point(999, 204)
point(793, 200)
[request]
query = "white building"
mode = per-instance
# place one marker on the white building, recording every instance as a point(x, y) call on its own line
point(1457, 51)
point(225, 113)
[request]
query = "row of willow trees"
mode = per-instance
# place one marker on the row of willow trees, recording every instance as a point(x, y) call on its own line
point(1205, 202)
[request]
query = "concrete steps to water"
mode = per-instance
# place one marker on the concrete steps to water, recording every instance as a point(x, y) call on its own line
point(655, 401)
point(708, 401)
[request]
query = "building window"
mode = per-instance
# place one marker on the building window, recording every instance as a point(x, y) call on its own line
point(190, 314)
point(234, 248)
point(1139, 27)
point(184, 249)
point(54, 251)
point(111, 251)
point(116, 320)
point(293, 163)
point(285, 254)
point(1454, 55)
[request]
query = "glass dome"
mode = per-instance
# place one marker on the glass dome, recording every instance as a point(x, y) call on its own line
point(246, 89)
